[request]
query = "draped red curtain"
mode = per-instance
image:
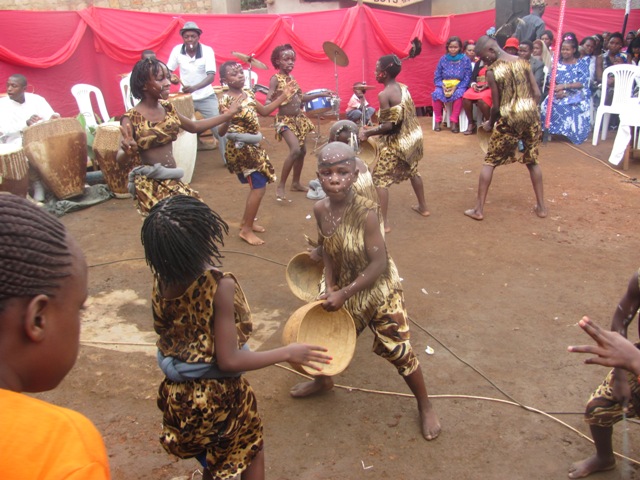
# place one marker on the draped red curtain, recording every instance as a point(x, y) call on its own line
point(56, 50)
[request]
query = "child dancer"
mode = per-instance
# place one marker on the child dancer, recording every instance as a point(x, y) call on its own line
point(291, 124)
point(400, 138)
point(361, 276)
point(245, 157)
point(43, 285)
point(203, 321)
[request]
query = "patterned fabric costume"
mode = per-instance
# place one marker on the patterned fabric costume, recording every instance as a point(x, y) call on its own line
point(603, 409)
point(299, 124)
point(150, 135)
point(401, 150)
point(251, 157)
point(381, 306)
point(571, 115)
point(216, 416)
point(519, 118)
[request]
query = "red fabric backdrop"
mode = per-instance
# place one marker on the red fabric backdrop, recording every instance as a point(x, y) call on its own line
point(56, 50)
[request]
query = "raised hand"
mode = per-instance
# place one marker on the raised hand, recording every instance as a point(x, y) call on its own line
point(128, 144)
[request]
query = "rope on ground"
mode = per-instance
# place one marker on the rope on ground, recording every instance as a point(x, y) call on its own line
point(465, 397)
point(631, 180)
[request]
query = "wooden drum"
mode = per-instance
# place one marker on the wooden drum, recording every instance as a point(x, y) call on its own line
point(185, 148)
point(105, 146)
point(57, 148)
point(14, 170)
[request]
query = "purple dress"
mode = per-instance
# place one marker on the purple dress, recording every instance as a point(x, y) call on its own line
point(448, 69)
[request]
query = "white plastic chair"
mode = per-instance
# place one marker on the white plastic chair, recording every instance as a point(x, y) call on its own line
point(249, 82)
point(624, 76)
point(446, 117)
point(82, 93)
point(125, 89)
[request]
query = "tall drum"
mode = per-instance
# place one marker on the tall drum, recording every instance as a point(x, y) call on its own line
point(58, 150)
point(185, 148)
point(14, 170)
point(105, 146)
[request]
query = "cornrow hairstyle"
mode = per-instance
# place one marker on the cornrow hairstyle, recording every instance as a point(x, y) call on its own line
point(34, 253)
point(226, 66)
point(344, 126)
point(275, 55)
point(142, 72)
point(180, 237)
point(390, 64)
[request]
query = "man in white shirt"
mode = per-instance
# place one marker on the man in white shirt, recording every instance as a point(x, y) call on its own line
point(197, 65)
point(19, 110)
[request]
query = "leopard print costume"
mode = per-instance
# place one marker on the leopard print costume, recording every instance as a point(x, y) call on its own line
point(213, 418)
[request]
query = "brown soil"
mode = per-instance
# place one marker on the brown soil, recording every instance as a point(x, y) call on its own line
point(503, 295)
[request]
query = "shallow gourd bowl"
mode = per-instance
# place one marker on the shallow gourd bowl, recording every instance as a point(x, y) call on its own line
point(304, 276)
point(335, 331)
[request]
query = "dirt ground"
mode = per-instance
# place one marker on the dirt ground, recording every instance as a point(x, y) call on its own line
point(501, 297)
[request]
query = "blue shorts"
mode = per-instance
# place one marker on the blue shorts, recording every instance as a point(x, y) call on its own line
point(256, 180)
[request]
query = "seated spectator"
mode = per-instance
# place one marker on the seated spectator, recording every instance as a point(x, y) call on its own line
point(547, 38)
point(479, 94)
point(607, 59)
point(587, 47)
point(541, 52)
point(627, 41)
point(571, 107)
point(358, 103)
point(537, 67)
point(598, 48)
point(511, 46)
point(470, 51)
point(451, 78)
point(633, 52)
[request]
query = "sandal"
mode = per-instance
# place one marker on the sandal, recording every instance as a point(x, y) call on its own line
point(437, 127)
point(473, 128)
point(455, 128)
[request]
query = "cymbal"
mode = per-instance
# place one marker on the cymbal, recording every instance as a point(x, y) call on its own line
point(335, 54)
point(250, 59)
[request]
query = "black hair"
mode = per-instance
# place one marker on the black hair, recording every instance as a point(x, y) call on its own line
point(344, 126)
point(467, 43)
point(142, 72)
point(180, 238)
point(570, 37)
point(146, 53)
point(275, 55)
point(635, 43)
point(390, 64)
point(528, 44)
point(20, 78)
point(548, 33)
point(226, 66)
point(452, 39)
point(34, 252)
point(586, 39)
point(616, 35)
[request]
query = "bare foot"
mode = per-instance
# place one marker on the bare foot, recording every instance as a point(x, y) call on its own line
point(250, 238)
point(319, 384)
point(541, 211)
point(473, 214)
point(591, 465)
point(387, 229)
point(280, 192)
point(298, 187)
point(258, 228)
point(424, 213)
point(430, 423)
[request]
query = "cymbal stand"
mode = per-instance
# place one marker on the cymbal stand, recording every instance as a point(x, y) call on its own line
point(335, 74)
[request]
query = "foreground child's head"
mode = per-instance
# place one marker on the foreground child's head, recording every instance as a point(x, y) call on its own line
point(149, 73)
point(337, 168)
point(43, 285)
point(180, 238)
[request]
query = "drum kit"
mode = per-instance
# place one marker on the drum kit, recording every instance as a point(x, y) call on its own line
point(252, 61)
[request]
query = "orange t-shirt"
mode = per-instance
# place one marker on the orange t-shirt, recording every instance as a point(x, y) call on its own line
point(42, 441)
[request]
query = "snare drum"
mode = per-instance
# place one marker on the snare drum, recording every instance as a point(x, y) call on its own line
point(185, 147)
point(319, 105)
point(14, 170)
point(105, 146)
point(57, 148)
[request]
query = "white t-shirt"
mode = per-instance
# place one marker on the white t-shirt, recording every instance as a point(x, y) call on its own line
point(14, 115)
point(194, 69)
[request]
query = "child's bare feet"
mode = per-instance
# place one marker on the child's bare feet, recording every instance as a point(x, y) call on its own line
point(591, 465)
point(298, 187)
point(387, 228)
point(319, 384)
point(258, 228)
point(430, 423)
point(541, 211)
point(280, 192)
point(250, 237)
point(473, 214)
point(417, 209)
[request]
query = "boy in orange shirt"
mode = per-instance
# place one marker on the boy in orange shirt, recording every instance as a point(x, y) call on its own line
point(43, 285)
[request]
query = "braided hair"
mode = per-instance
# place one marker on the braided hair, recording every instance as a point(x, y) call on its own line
point(180, 237)
point(34, 253)
point(275, 55)
point(390, 64)
point(142, 72)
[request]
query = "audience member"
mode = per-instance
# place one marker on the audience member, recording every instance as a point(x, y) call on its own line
point(547, 38)
point(604, 61)
point(451, 78)
point(531, 27)
point(587, 47)
point(359, 104)
point(470, 51)
point(511, 46)
point(537, 67)
point(541, 52)
point(478, 94)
